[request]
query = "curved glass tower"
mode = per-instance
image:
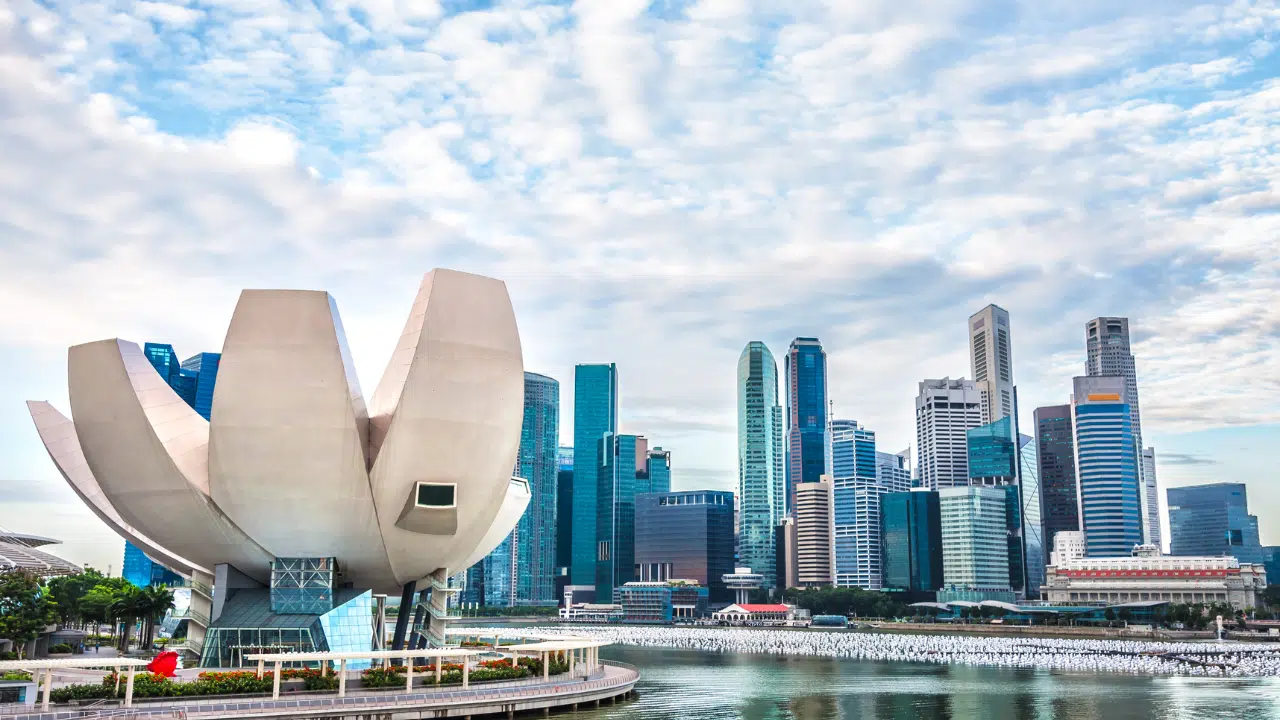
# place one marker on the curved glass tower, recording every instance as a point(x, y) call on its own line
point(760, 459)
point(537, 463)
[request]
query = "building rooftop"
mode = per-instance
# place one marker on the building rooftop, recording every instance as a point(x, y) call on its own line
point(15, 556)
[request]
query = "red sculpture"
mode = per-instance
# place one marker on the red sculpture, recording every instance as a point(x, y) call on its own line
point(165, 664)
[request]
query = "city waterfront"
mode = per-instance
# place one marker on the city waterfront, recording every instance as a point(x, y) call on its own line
point(729, 686)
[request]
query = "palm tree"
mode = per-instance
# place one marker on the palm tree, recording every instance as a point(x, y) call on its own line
point(128, 606)
point(155, 602)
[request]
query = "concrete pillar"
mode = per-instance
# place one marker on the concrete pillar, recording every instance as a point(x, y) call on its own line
point(48, 687)
point(546, 665)
point(261, 667)
point(466, 673)
point(342, 678)
point(408, 676)
point(275, 681)
point(128, 688)
point(439, 662)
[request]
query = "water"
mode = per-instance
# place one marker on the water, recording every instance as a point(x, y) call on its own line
point(713, 686)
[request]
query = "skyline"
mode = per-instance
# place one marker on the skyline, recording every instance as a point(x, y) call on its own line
point(868, 177)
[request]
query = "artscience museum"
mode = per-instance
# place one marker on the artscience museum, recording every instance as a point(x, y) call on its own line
point(301, 503)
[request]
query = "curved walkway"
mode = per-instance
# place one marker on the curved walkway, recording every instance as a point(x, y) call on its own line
point(610, 681)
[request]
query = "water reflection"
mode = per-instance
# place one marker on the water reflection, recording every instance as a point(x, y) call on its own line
point(712, 686)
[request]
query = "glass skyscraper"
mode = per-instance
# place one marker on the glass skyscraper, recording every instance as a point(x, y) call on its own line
point(615, 512)
point(1031, 515)
point(997, 456)
point(657, 473)
point(856, 500)
point(1056, 460)
point(686, 536)
point(975, 550)
point(1213, 520)
point(761, 489)
point(911, 541)
point(595, 415)
point(142, 571)
point(806, 370)
point(538, 463)
point(564, 517)
point(1106, 467)
point(205, 368)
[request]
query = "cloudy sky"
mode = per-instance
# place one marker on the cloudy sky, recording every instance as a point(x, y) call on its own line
point(659, 183)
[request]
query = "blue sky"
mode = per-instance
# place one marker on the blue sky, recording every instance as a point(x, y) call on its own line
point(659, 183)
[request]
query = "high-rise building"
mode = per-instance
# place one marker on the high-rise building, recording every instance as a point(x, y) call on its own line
point(856, 506)
point(946, 410)
point(164, 360)
point(535, 554)
point(615, 511)
point(1056, 459)
point(1151, 503)
point(806, 367)
point(656, 475)
point(498, 573)
point(1111, 513)
point(686, 536)
point(205, 368)
point(911, 541)
point(975, 550)
point(564, 518)
point(142, 571)
point(595, 414)
point(1031, 515)
point(999, 458)
point(1271, 560)
point(1108, 353)
point(893, 471)
point(991, 360)
point(786, 559)
point(761, 488)
point(814, 533)
point(1213, 520)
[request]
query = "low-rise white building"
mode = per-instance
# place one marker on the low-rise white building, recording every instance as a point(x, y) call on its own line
point(1150, 576)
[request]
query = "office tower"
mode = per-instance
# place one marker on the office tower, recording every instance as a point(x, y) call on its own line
point(1213, 520)
point(761, 486)
point(1108, 354)
point(911, 541)
point(163, 359)
point(205, 368)
point(498, 573)
point(806, 366)
point(946, 409)
point(975, 550)
point(535, 554)
point(617, 478)
point(991, 360)
point(1152, 502)
point(686, 536)
point(1271, 561)
point(595, 414)
point(142, 571)
point(814, 533)
point(1031, 515)
point(1106, 467)
point(786, 558)
point(856, 506)
point(999, 458)
point(564, 518)
point(656, 474)
point(1056, 459)
point(893, 472)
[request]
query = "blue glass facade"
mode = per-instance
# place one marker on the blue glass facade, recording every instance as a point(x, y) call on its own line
point(658, 474)
point(595, 415)
point(856, 498)
point(1056, 462)
point(205, 367)
point(497, 569)
point(564, 516)
point(1271, 561)
point(143, 572)
point(349, 628)
point(535, 554)
point(163, 359)
point(1107, 475)
point(806, 370)
point(1032, 516)
point(302, 586)
point(761, 484)
point(616, 513)
point(992, 452)
point(911, 537)
point(686, 536)
point(1213, 520)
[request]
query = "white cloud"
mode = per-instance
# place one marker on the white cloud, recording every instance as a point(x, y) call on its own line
point(168, 13)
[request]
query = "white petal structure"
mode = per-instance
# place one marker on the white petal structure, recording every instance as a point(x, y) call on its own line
point(447, 414)
point(287, 445)
point(149, 452)
point(293, 465)
point(58, 434)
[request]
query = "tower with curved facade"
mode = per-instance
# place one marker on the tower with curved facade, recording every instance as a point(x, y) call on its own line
point(760, 459)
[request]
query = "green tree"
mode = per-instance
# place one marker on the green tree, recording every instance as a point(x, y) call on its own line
point(67, 591)
point(25, 607)
point(154, 602)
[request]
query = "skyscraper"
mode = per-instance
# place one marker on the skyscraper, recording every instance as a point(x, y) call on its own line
point(1031, 515)
point(856, 506)
point(595, 414)
point(617, 478)
point(205, 368)
point(893, 471)
point(564, 518)
point(535, 556)
point(946, 409)
point(975, 550)
point(760, 460)
point(1152, 502)
point(911, 541)
point(806, 367)
point(1213, 520)
point(1106, 467)
point(814, 533)
point(991, 359)
point(656, 474)
point(142, 571)
point(498, 573)
point(1056, 458)
point(1108, 354)
point(686, 536)
point(998, 458)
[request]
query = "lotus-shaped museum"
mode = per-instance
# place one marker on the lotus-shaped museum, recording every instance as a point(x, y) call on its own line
point(295, 472)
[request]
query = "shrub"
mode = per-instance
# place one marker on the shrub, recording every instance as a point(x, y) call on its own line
point(60, 648)
point(376, 677)
point(80, 692)
point(8, 655)
point(16, 676)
